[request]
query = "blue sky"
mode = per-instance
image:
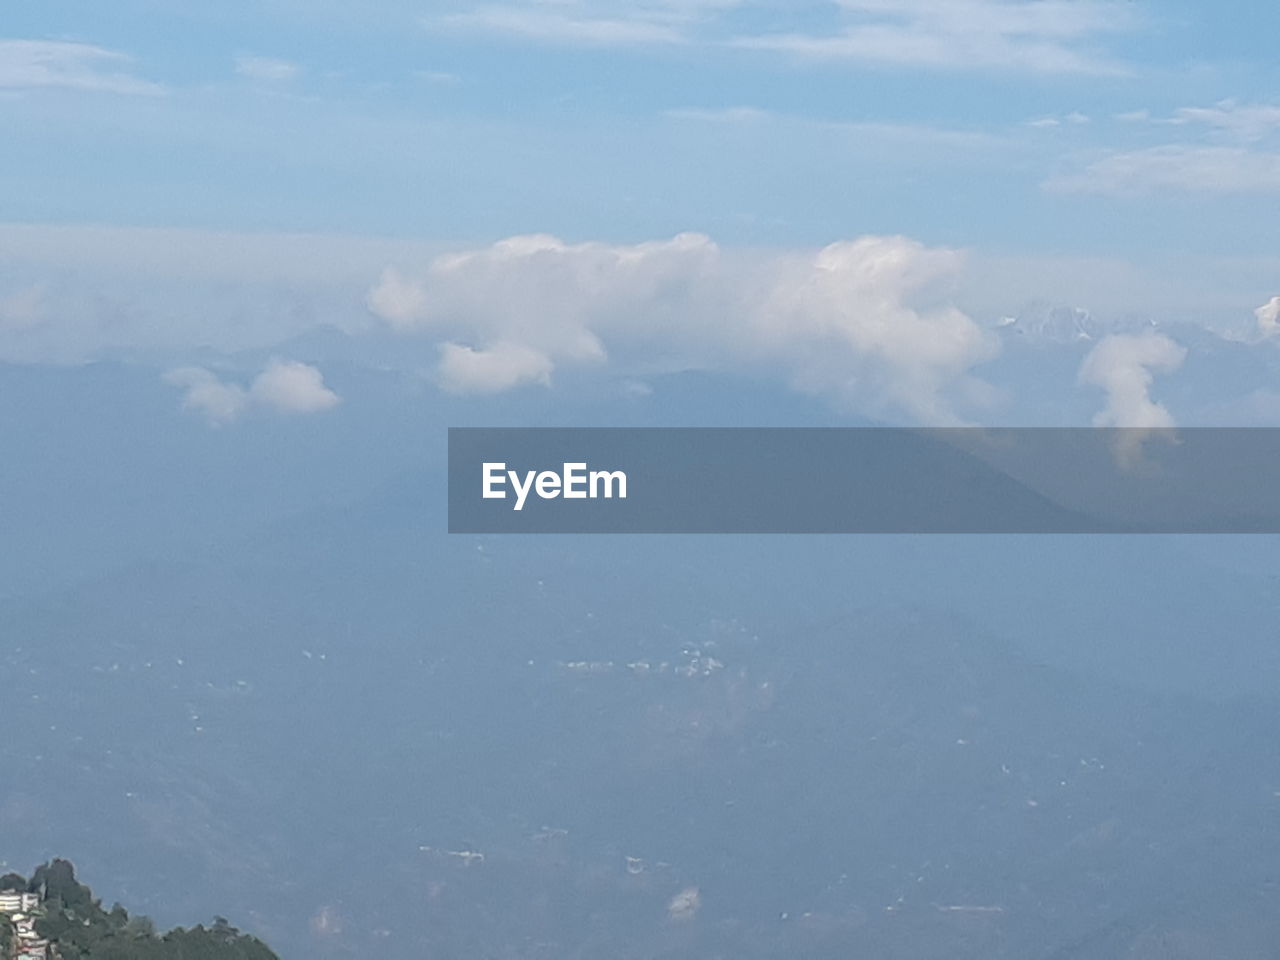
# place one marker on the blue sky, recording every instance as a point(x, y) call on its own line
point(256, 257)
point(1113, 156)
point(760, 123)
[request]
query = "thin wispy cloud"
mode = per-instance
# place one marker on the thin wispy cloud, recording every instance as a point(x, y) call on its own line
point(1248, 122)
point(905, 135)
point(1038, 36)
point(267, 69)
point(1245, 122)
point(570, 23)
point(1073, 119)
point(1178, 168)
point(1228, 147)
point(1046, 36)
point(438, 78)
point(48, 64)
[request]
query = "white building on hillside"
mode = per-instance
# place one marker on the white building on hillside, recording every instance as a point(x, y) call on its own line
point(12, 901)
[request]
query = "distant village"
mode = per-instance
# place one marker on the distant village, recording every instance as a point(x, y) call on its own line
point(21, 909)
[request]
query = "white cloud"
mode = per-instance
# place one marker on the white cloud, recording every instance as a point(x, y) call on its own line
point(34, 64)
point(577, 22)
point(267, 69)
point(1075, 119)
point(730, 115)
point(1232, 120)
point(492, 370)
point(291, 387)
point(1269, 317)
point(1226, 148)
point(1249, 122)
point(1040, 36)
point(864, 322)
point(1124, 367)
point(397, 299)
point(1186, 168)
point(283, 387)
point(684, 905)
point(1046, 36)
point(220, 403)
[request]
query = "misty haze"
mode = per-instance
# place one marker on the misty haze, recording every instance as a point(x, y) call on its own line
point(256, 260)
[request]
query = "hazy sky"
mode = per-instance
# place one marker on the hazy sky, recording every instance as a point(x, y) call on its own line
point(255, 257)
point(850, 197)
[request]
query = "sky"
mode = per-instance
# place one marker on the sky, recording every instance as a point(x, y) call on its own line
point(861, 200)
point(255, 258)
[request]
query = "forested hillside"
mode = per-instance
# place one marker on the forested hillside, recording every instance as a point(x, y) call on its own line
point(73, 925)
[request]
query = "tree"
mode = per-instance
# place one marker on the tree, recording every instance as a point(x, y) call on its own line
point(13, 882)
point(80, 929)
point(57, 880)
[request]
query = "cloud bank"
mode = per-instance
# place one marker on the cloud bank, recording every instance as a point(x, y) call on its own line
point(865, 322)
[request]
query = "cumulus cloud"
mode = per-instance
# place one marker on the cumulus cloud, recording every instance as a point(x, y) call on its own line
point(219, 403)
point(865, 322)
point(397, 299)
point(1269, 317)
point(291, 387)
point(493, 369)
point(1124, 366)
point(33, 64)
point(267, 69)
point(282, 387)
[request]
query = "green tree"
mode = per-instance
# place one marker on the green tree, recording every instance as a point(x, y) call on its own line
point(81, 930)
point(13, 882)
